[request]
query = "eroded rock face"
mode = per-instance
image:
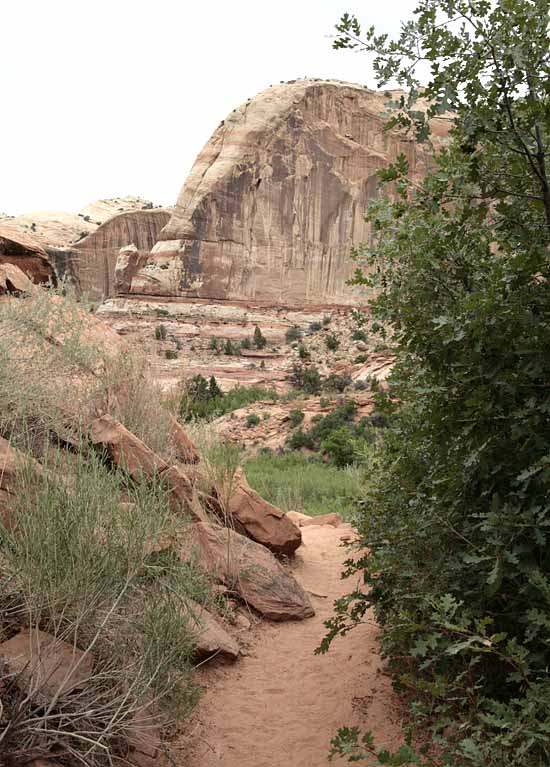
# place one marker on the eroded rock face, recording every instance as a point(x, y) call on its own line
point(91, 263)
point(277, 198)
point(25, 252)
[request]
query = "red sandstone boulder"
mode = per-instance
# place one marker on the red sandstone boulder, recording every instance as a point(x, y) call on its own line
point(124, 449)
point(25, 252)
point(331, 519)
point(13, 281)
point(131, 454)
point(185, 449)
point(260, 520)
point(252, 571)
point(212, 639)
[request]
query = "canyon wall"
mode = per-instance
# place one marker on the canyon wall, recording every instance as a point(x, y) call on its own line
point(277, 198)
point(90, 263)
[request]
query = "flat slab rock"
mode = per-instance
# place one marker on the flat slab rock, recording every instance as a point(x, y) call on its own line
point(47, 665)
point(304, 520)
point(252, 571)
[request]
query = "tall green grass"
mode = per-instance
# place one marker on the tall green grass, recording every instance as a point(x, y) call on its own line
point(292, 481)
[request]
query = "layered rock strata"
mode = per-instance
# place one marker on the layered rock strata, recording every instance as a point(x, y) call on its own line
point(276, 199)
point(91, 262)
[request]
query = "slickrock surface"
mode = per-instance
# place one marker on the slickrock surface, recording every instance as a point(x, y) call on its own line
point(282, 704)
point(277, 198)
point(61, 228)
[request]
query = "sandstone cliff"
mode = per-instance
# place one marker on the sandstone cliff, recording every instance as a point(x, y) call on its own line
point(90, 263)
point(25, 252)
point(60, 228)
point(277, 198)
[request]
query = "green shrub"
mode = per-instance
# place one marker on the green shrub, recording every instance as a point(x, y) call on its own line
point(327, 320)
point(324, 402)
point(160, 332)
point(214, 344)
point(332, 343)
point(300, 439)
point(252, 420)
point(296, 417)
point(303, 353)
point(341, 446)
point(205, 400)
point(360, 359)
point(335, 382)
point(229, 348)
point(306, 378)
point(246, 343)
point(171, 354)
point(260, 341)
point(293, 334)
point(360, 335)
point(314, 327)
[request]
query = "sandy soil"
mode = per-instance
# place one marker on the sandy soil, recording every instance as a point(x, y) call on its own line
point(280, 705)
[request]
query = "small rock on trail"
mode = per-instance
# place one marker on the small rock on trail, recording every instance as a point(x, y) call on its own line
point(281, 705)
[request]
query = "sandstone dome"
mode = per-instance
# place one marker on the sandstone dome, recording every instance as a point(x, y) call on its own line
point(276, 199)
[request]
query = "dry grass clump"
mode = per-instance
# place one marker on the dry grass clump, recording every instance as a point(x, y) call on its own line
point(60, 367)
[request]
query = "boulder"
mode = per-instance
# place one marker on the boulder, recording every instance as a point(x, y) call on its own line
point(46, 665)
point(129, 453)
point(124, 449)
point(212, 638)
point(251, 570)
point(27, 254)
point(260, 520)
point(184, 448)
point(331, 519)
point(13, 281)
point(297, 517)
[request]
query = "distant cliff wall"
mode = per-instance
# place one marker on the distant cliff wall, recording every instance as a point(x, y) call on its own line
point(277, 198)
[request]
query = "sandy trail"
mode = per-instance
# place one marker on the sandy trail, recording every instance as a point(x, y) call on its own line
point(280, 705)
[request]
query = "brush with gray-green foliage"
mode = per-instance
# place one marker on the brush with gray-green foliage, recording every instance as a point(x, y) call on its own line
point(456, 514)
point(96, 572)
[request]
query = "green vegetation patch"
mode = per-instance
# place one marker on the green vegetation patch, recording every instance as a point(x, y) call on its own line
point(292, 481)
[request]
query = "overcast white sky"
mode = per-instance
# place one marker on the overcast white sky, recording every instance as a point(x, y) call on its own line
point(114, 97)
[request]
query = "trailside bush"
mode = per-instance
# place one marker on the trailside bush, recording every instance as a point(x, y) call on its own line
point(296, 417)
point(260, 341)
point(252, 420)
point(332, 343)
point(456, 515)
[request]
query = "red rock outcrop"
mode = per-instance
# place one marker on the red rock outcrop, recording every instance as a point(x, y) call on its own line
point(251, 570)
point(261, 521)
point(277, 198)
point(25, 252)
